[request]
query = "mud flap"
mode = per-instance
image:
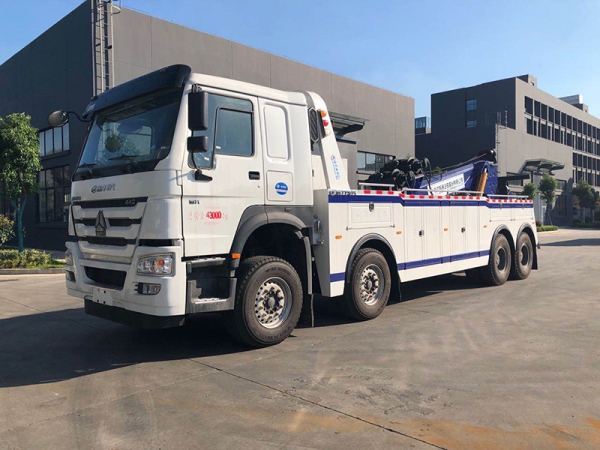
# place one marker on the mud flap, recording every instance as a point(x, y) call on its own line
point(307, 316)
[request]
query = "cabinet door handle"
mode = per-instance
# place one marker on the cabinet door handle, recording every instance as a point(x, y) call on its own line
point(254, 175)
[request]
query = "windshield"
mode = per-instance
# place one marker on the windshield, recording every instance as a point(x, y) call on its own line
point(131, 137)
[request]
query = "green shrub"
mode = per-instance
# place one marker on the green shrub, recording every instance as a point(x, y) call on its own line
point(546, 228)
point(7, 229)
point(12, 259)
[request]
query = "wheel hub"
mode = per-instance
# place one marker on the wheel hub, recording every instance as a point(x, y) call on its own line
point(371, 284)
point(272, 302)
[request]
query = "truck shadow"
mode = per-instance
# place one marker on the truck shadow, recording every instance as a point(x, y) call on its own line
point(327, 313)
point(66, 344)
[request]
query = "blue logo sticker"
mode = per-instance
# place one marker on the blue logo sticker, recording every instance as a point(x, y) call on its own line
point(336, 169)
point(281, 188)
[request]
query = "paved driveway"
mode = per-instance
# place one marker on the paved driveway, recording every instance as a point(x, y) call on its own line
point(451, 366)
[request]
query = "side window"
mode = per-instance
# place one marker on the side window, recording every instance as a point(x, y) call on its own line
point(276, 132)
point(234, 132)
point(229, 129)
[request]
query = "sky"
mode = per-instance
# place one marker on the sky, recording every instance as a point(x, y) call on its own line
point(413, 47)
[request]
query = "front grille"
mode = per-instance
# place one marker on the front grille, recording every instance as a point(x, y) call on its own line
point(112, 279)
point(114, 241)
point(111, 222)
point(110, 203)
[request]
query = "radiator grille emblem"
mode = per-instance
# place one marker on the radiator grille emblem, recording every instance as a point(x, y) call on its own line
point(101, 224)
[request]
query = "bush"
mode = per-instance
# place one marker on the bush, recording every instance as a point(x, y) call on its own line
point(7, 229)
point(585, 225)
point(12, 259)
point(547, 228)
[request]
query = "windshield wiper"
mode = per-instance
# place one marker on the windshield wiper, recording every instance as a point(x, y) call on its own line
point(89, 167)
point(131, 158)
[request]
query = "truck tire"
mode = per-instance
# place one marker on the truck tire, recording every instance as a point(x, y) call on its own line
point(498, 268)
point(369, 287)
point(268, 302)
point(523, 258)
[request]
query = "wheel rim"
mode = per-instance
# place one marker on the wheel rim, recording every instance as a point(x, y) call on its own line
point(501, 259)
point(371, 284)
point(273, 302)
point(525, 255)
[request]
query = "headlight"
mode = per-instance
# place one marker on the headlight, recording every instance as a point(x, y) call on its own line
point(155, 265)
point(68, 258)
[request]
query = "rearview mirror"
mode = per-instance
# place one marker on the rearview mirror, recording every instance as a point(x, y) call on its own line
point(58, 118)
point(197, 144)
point(198, 109)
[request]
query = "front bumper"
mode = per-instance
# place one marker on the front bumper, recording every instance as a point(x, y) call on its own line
point(169, 302)
point(132, 318)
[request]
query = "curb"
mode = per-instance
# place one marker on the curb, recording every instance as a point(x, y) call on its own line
point(31, 271)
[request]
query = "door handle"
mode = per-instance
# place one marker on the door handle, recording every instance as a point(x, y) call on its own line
point(254, 175)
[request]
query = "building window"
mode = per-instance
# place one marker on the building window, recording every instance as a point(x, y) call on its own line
point(371, 162)
point(528, 105)
point(54, 140)
point(54, 195)
point(471, 105)
point(529, 126)
point(560, 207)
point(514, 182)
point(471, 123)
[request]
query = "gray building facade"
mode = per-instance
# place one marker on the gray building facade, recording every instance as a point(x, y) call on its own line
point(61, 69)
point(527, 126)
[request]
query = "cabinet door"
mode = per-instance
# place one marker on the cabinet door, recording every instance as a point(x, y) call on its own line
point(472, 225)
point(414, 229)
point(457, 230)
point(432, 239)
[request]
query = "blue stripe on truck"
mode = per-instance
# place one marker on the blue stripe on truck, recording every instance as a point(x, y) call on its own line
point(335, 277)
point(421, 202)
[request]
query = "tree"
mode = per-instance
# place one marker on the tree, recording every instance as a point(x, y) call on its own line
point(530, 190)
point(587, 196)
point(19, 163)
point(6, 229)
point(547, 189)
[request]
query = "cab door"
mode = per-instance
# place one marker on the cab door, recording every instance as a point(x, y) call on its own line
point(231, 177)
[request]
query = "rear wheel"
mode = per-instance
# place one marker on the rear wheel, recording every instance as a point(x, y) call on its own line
point(498, 268)
point(368, 290)
point(523, 258)
point(268, 302)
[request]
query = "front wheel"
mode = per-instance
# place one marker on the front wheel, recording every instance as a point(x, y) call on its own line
point(268, 302)
point(369, 287)
point(498, 268)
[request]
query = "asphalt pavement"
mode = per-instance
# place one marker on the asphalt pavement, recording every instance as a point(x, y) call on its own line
point(450, 366)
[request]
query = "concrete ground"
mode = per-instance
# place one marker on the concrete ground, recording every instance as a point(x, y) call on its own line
point(451, 366)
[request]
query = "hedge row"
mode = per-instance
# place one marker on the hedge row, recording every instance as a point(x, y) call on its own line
point(12, 259)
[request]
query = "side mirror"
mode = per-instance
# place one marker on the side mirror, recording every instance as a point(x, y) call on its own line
point(58, 118)
point(198, 110)
point(197, 144)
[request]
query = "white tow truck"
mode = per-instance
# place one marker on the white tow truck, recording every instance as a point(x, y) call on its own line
point(196, 194)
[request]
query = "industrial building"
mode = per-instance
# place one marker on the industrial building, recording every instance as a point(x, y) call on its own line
point(533, 132)
point(100, 45)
